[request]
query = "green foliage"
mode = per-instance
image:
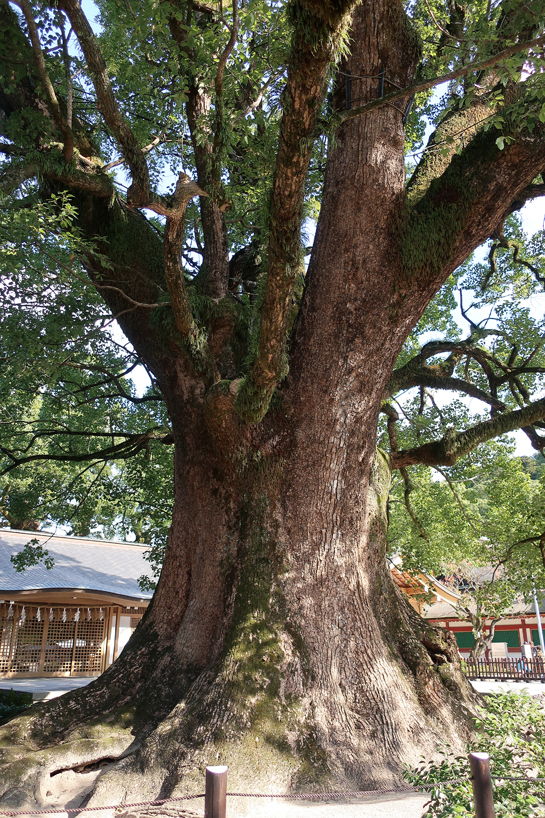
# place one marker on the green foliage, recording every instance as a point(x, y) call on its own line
point(511, 730)
point(32, 553)
point(489, 507)
point(454, 33)
point(488, 504)
point(66, 395)
point(66, 389)
point(13, 702)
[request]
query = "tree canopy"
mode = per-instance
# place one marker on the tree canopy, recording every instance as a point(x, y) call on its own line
point(63, 370)
point(80, 448)
point(161, 167)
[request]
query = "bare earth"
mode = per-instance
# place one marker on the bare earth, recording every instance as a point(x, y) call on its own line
point(382, 806)
point(407, 805)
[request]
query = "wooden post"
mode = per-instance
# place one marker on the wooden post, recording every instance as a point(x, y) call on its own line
point(13, 640)
point(482, 785)
point(43, 648)
point(104, 647)
point(116, 642)
point(215, 801)
point(74, 640)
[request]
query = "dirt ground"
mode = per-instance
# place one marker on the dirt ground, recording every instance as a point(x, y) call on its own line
point(406, 805)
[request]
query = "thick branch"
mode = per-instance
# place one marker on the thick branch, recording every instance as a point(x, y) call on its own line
point(139, 192)
point(319, 33)
point(13, 176)
point(451, 447)
point(173, 243)
point(527, 195)
point(462, 206)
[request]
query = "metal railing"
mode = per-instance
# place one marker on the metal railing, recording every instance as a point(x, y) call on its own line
point(505, 669)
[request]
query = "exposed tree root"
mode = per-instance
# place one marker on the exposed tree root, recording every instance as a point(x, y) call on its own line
point(294, 699)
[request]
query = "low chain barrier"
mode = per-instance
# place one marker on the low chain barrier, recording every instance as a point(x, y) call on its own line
point(216, 793)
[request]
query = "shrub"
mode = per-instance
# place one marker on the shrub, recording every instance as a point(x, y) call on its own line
point(511, 729)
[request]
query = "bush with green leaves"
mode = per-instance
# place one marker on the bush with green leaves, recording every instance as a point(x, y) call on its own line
point(13, 702)
point(511, 729)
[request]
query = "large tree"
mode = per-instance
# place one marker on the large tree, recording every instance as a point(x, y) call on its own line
point(276, 641)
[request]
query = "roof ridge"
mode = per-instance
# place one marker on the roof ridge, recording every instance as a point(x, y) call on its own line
point(50, 535)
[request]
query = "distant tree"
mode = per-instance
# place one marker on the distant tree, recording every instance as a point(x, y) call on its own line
point(534, 466)
point(480, 527)
point(487, 511)
point(486, 595)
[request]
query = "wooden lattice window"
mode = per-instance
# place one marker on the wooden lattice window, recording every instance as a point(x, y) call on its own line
point(6, 631)
point(40, 639)
point(26, 653)
point(87, 656)
point(59, 646)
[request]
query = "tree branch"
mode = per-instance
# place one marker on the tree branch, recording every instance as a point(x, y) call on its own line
point(52, 100)
point(320, 31)
point(128, 448)
point(173, 245)
point(407, 497)
point(139, 192)
point(218, 84)
point(416, 373)
point(452, 446)
point(424, 85)
point(456, 496)
point(435, 381)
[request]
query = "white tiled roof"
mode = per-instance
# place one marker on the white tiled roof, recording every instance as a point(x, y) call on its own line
point(80, 563)
point(442, 610)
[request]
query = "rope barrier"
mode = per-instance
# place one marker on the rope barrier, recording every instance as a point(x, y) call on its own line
point(357, 793)
point(293, 796)
point(54, 810)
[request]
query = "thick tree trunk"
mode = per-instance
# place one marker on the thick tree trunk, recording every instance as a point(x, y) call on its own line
point(276, 641)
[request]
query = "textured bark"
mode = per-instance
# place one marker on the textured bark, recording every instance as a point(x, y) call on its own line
point(276, 641)
point(292, 660)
